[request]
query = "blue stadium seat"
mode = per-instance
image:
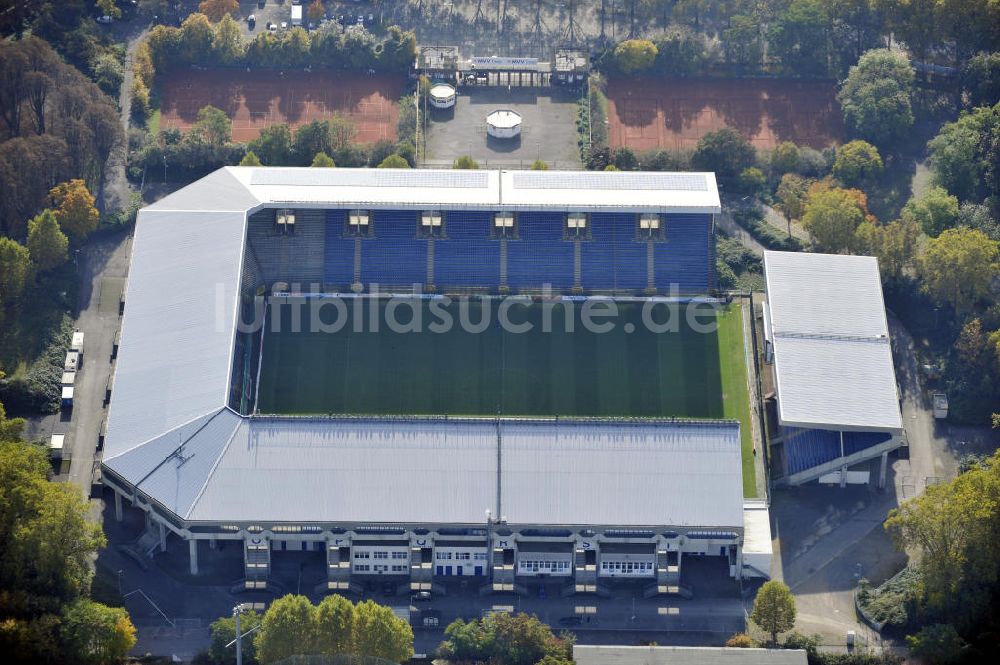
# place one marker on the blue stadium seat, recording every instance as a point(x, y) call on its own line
point(395, 256)
point(685, 259)
point(467, 257)
point(339, 251)
point(806, 448)
point(613, 258)
point(540, 255)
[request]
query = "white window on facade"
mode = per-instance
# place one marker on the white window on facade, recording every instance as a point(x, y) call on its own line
point(362, 555)
point(400, 555)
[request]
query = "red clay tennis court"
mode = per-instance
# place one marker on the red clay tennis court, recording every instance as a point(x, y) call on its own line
point(256, 99)
point(673, 114)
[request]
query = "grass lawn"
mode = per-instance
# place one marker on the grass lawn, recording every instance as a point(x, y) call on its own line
point(628, 371)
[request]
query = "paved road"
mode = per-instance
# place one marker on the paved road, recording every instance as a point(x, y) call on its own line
point(734, 230)
point(778, 221)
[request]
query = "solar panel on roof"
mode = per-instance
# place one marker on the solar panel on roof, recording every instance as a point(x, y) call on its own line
point(370, 178)
point(687, 182)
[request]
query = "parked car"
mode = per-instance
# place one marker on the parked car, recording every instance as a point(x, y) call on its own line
point(570, 621)
point(284, 25)
point(420, 597)
point(105, 19)
point(272, 27)
point(252, 21)
point(388, 588)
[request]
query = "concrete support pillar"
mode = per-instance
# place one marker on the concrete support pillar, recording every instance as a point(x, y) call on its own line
point(843, 476)
point(213, 544)
point(193, 552)
point(680, 555)
point(163, 536)
point(883, 467)
point(118, 507)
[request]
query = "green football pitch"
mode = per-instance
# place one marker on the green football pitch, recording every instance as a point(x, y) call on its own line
point(557, 369)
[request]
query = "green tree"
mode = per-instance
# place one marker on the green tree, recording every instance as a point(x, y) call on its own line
point(47, 243)
point(108, 73)
point(724, 151)
point(15, 267)
point(75, 209)
point(981, 79)
point(784, 158)
point(741, 641)
point(46, 541)
point(97, 633)
point(798, 37)
point(742, 42)
point(857, 162)
point(752, 181)
point(316, 11)
point(380, 633)
point(224, 632)
point(539, 165)
point(962, 157)
point(196, 37)
point(250, 159)
point(287, 629)
point(894, 244)
point(935, 211)
point(936, 644)
point(227, 42)
point(465, 162)
point(635, 55)
point(833, 216)
point(335, 626)
point(213, 126)
point(774, 609)
point(394, 162)
point(311, 138)
point(273, 145)
point(109, 8)
point(875, 97)
point(512, 639)
point(958, 267)
point(216, 10)
point(625, 159)
point(11, 429)
point(323, 160)
point(791, 194)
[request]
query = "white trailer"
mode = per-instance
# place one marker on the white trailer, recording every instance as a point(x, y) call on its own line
point(296, 14)
point(56, 443)
point(77, 343)
point(940, 405)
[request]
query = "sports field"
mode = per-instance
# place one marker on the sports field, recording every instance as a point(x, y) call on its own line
point(255, 99)
point(642, 373)
point(674, 114)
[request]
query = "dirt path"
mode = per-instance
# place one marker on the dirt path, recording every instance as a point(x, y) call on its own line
point(116, 190)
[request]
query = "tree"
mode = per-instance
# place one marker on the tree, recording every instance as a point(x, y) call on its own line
point(109, 8)
point(108, 73)
point(798, 37)
point(539, 165)
point(833, 216)
point(512, 639)
point(791, 195)
point(97, 633)
point(224, 632)
point(250, 159)
point(981, 79)
point(857, 162)
point(681, 52)
point(724, 151)
point(936, 644)
point(961, 155)
point(774, 609)
point(635, 55)
point(465, 162)
point(46, 242)
point(316, 11)
point(323, 160)
point(196, 37)
point(216, 10)
point(381, 634)
point(894, 244)
point(287, 629)
point(15, 266)
point(741, 641)
point(935, 211)
point(335, 626)
point(227, 43)
point(394, 162)
point(213, 126)
point(625, 159)
point(784, 158)
point(311, 138)
point(342, 132)
point(875, 97)
point(46, 540)
point(958, 267)
point(273, 145)
point(752, 181)
point(75, 209)
point(742, 42)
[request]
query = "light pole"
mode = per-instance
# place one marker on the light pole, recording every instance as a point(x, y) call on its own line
point(237, 611)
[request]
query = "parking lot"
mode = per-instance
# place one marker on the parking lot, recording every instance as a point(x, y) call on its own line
point(280, 11)
point(548, 128)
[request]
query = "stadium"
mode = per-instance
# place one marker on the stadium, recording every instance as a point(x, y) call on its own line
point(285, 378)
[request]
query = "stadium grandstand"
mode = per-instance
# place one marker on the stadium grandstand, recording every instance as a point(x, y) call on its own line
point(826, 335)
point(418, 497)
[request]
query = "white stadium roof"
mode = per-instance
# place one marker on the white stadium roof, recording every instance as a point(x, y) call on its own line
point(171, 435)
point(832, 357)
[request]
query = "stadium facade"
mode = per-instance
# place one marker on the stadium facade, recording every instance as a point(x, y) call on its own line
point(826, 337)
point(407, 498)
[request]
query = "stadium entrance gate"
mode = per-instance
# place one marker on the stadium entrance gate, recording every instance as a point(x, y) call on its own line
point(443, 63)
